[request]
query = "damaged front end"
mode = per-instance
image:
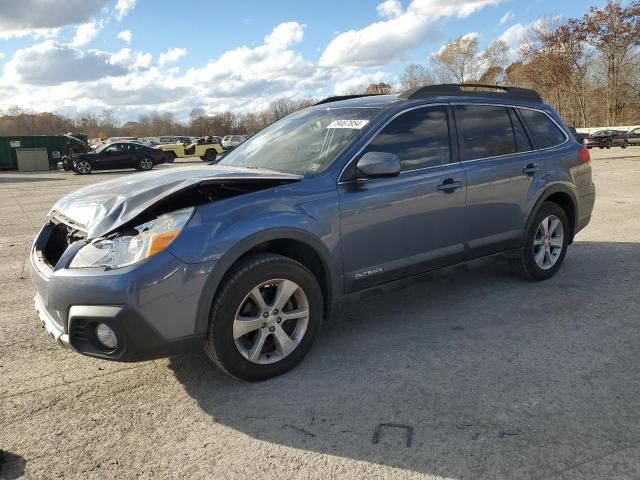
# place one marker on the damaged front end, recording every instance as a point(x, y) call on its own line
point(113, 224)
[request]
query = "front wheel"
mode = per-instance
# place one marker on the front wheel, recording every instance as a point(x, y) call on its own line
point(545, 244)
point(83, 167)
point(265, 318)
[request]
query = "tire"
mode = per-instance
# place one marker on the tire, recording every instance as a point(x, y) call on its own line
point(259, 273)
point(209, 155)
point(625, 144)
point(145, 164)
point(527, 264)
point(169, 157)
point(83, 167)
point(608, 145)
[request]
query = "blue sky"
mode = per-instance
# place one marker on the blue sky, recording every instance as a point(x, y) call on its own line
point(135, 56)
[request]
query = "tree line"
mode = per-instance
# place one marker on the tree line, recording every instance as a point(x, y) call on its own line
point(587, 68)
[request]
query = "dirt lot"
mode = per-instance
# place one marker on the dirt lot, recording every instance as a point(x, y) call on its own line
point(498, 378)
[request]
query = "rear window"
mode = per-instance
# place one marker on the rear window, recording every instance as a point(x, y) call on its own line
point(544, 131)
point(486, 131)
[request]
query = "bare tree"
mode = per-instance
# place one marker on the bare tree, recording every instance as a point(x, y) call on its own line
point(615, 31)
point(415, 75)
point(460, 62)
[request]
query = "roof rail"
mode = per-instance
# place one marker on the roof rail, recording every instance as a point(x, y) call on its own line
point(337, 98)
point(471, 89)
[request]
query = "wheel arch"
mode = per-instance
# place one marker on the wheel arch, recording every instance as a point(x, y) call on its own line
point(296, 244)
point(563, 197)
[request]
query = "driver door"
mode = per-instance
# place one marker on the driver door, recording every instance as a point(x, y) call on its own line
point(399, 226)
point(112, 157)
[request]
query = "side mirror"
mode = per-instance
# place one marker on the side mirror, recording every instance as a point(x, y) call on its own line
point(379, 164)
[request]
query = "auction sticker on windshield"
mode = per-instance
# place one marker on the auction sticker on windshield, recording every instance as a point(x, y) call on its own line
point(355, 124)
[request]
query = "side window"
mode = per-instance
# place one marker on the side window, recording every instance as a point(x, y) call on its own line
point(420, 138)
point(545, 133)
point(522, 141)
point(486, 131)
point(116, 147)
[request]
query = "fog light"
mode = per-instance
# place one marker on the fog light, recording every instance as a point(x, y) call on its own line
point(106, 336)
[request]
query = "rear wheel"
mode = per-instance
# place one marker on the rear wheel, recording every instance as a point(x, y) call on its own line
point(145, 163)
point(625, 144)
point(608, 145)
point(265, 318)
point(83, 167)
point(545, 244)
point(209, 155)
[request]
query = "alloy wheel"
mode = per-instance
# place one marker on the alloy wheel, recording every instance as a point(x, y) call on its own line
point(83, 167)
point(271, 321)
point(548, 242)
point(146, 164)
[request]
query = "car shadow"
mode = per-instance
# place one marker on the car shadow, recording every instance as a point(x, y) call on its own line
point(11, 466)
point(470, 373)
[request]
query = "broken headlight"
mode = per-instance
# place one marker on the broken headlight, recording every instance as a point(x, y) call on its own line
point(133, 246)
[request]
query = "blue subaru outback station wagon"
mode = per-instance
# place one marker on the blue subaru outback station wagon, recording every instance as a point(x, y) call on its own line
point(248, 256)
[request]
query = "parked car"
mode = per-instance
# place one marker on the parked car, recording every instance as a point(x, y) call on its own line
point(578, 136)
point(206, 151)
point(117, 155)
point(230, 142)
point(248, 256)
point(606, 139)
point(633, 137)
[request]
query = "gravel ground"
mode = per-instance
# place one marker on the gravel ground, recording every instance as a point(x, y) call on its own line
point(496, 377)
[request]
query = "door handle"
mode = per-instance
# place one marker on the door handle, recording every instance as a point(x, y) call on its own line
point(531, 168)
point(450, 185)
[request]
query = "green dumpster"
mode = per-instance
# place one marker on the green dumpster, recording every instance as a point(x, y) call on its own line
point(57, 147)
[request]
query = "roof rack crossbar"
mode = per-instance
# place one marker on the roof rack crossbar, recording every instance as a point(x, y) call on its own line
point(464, 89)
point(337, 98)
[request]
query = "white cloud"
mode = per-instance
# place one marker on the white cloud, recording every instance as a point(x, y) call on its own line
point(267, 68)
point(52, 63)
point(506, 17)
point(355, 81)
point(127, 58)
point(123, 7)
point(19, 18)
point(85, 33)
point(2, 55)
point(389, 40)
point(125, 36)
point(171, 55)
point(514, 34)
point(390, 9)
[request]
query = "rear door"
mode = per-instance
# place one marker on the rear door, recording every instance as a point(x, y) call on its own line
point(399, 226)
point(503, 174)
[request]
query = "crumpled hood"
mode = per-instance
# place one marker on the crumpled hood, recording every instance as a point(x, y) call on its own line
point(102, 207)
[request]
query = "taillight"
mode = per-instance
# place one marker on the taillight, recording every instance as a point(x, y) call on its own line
point(585, 156)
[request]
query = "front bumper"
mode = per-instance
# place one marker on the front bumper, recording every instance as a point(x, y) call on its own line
point(152, 306)
point(49, 324)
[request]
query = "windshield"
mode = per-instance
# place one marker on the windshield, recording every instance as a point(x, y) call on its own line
point(102, 147)
point(599, 133)
point(303, 142)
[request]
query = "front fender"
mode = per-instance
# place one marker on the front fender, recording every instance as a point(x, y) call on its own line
point(241, 248)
